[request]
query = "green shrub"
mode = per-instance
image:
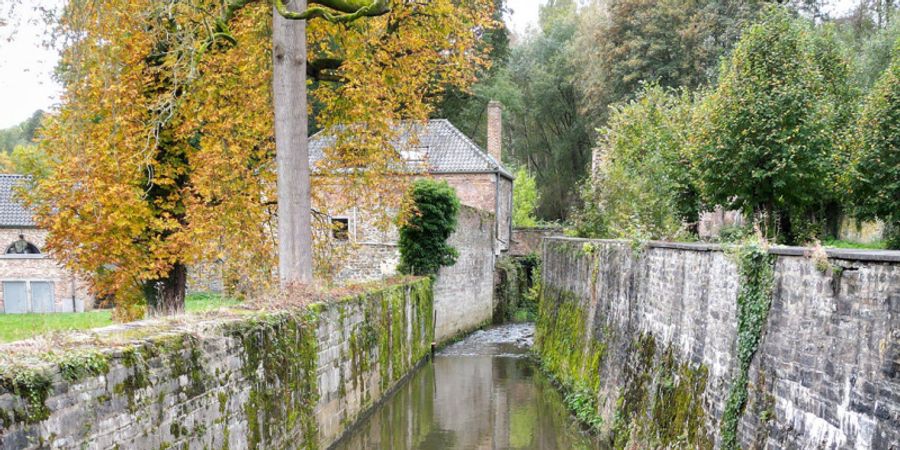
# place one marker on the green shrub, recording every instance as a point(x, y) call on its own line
point(642, 185)
point(525, 199)
point(429, 222)
point(877, 180)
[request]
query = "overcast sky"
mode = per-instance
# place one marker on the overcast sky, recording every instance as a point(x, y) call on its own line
point(26, 66)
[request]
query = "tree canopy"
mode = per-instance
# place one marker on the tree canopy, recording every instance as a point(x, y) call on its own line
point(162, 152)
point(764, 136)
point(877, 176)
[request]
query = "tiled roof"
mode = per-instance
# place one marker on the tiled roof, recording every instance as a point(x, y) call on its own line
point(12, 212)
point(446, 149)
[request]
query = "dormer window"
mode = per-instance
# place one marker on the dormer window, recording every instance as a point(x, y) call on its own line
point(22, 247)
point(415, 155)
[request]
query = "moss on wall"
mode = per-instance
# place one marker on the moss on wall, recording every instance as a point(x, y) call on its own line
point(280, 361)
point(568, 352)
point(279, 371)
point(657, 400)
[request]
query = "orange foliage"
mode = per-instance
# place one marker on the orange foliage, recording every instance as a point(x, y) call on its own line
point(162, 151)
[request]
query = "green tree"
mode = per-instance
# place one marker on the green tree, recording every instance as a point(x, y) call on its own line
point(763, 139)
point(674, 43)
point(21, 134)
point(466, 108)
point(525, 199)
point(29, 160)
point(429, 222)
point(877, 181)
point(642, 185)
point(543, 128)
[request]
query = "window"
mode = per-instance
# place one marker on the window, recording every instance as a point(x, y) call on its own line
point(340, 228)
point(20, 297)
point(22, 247)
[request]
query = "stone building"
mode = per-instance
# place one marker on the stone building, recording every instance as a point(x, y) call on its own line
point(32, 281)
point(441, 151)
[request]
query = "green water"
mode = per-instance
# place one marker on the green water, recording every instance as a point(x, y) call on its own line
point(478, 394)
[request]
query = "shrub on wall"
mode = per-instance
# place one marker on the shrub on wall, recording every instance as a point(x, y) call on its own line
point(429, 221)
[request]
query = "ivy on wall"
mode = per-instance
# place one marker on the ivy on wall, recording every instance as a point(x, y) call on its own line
point(426, 226)
point(756, 269)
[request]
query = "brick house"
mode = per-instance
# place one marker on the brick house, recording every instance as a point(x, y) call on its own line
point(32, 281)
point(442, 152)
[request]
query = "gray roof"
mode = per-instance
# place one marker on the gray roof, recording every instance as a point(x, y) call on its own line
point(12, 212)
point(446, 149)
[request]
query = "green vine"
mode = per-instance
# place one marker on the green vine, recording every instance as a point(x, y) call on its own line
point(756, 272)
point(33, 386)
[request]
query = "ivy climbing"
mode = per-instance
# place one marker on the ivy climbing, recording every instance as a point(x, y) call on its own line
point(756, 270)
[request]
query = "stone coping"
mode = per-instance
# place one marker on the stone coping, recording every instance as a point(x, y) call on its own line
point(888, 256)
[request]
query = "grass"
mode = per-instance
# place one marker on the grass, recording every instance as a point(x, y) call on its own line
point(15, 327)
point(878, 245)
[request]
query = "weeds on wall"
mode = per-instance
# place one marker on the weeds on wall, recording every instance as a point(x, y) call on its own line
point(756, 271)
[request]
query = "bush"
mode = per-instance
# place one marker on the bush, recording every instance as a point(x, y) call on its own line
point(643, 184)
point(877, 148)
point(525, 199)
point(427, 224)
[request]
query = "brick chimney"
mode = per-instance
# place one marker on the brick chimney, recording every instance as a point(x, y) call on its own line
point(495, 130)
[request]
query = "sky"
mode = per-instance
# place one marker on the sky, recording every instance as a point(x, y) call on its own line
point(26, 66)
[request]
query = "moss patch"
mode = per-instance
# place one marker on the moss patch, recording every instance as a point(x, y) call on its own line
point(658, 399)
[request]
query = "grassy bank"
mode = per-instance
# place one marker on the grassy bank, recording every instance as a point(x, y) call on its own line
point(15, 327)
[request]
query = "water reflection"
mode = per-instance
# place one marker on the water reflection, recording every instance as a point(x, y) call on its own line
point(468, 398)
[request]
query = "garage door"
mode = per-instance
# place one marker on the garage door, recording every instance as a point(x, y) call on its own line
point(15, 297)
point(41, 297)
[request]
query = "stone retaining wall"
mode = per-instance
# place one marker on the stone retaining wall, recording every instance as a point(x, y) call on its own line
point(255, 380)
point(464, 292)
point(649, 336)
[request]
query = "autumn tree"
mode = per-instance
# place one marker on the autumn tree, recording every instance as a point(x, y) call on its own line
point(163, 153)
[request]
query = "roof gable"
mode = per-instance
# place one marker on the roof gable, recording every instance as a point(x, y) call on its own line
point(442, 147)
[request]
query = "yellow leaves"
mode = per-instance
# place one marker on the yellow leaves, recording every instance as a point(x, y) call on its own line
point(161, 157)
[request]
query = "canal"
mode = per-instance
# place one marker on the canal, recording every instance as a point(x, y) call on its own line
point(480, 393)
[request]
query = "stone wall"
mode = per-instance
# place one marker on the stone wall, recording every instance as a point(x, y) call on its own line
point(463, 292)
point(864, 232)
point(649, 335)
point(369, 262)
point(70, 292)
point(527, 241)
point(253, 380)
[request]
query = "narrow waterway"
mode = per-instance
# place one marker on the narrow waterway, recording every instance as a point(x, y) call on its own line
point(480, 393)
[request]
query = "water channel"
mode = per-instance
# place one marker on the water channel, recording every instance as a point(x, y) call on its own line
point(480, 393)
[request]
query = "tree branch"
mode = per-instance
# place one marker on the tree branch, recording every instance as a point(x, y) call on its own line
point(349, 10)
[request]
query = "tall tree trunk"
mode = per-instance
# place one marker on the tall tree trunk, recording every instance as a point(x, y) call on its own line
point(295, 258)
point(165, 296)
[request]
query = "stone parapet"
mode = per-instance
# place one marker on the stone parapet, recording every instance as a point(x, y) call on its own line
point(293, 379)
